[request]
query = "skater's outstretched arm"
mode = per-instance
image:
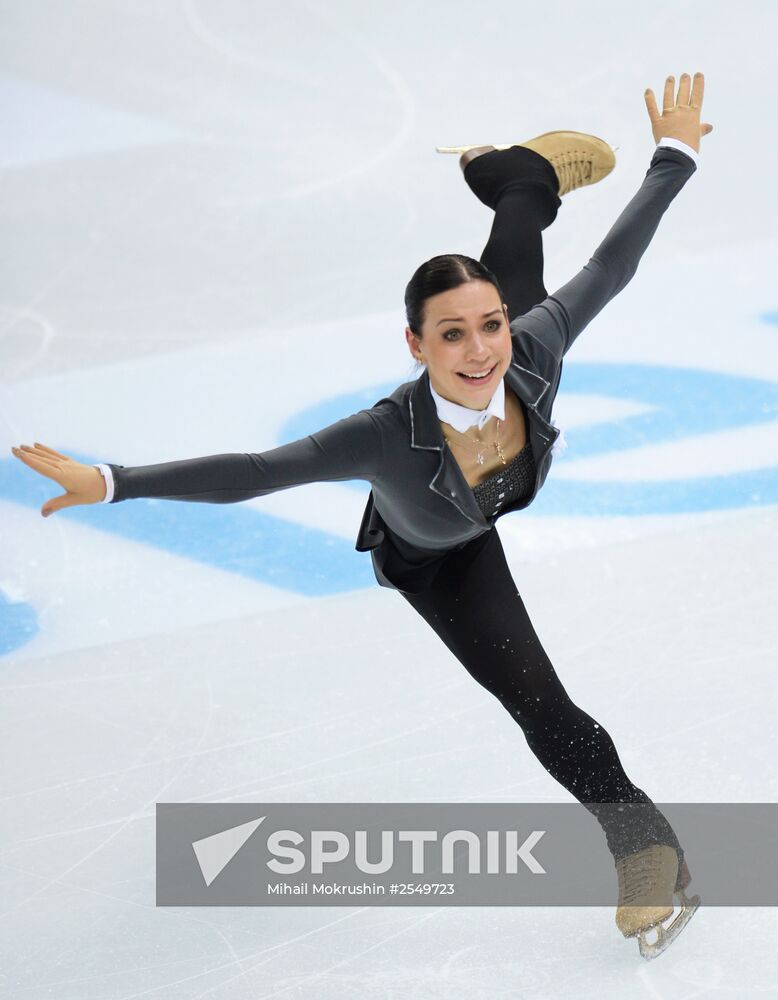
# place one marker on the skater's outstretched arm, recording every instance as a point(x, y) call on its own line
point(348, 449)
point(558, 320)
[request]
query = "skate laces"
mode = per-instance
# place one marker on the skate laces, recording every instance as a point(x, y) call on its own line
point(639, 876)
point(573, 172)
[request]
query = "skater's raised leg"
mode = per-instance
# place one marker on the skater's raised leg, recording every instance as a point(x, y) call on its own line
point(521, 187)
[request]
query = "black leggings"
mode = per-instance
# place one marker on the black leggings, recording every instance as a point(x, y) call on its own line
point(473, 603)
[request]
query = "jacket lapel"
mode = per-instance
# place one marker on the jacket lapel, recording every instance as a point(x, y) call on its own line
point(426, 434)
point(530, 388)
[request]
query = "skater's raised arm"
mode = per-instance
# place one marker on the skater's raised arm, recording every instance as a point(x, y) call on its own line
point(558, 320)
point(351, 448)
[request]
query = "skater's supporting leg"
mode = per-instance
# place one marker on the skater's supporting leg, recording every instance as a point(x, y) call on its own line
point(475, 608)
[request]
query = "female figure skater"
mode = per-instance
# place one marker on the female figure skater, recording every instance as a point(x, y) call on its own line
point(470, 440)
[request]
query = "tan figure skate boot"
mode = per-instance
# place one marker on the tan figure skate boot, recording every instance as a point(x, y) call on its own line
point(578, 159)
point(648, 881)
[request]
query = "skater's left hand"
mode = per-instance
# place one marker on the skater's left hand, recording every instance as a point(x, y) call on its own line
point(680, 119)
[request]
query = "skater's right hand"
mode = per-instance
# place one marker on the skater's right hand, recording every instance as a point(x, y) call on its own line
point(680, 119)
point(84, 483)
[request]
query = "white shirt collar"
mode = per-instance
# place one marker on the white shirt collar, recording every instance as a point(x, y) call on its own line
point(462, 417)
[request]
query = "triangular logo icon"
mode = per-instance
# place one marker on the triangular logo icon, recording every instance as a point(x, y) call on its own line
point(214, 853)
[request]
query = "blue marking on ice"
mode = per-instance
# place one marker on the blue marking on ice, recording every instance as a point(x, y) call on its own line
point(231, 537)
point(18, 624)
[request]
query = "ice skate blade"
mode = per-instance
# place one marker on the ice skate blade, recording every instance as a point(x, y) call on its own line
point(464, 149)
point(666, 935)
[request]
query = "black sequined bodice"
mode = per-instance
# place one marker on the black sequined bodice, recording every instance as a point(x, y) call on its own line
point(515, 481)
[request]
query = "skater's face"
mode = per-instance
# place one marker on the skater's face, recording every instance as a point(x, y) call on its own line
point(465, 331)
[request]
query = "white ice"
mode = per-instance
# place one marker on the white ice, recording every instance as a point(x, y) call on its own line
point(210, 213)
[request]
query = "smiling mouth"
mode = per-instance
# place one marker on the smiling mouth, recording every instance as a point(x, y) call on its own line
point(476, 377)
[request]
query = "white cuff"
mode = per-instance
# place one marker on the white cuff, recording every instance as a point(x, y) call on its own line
point(108, 477)
point(677, 144)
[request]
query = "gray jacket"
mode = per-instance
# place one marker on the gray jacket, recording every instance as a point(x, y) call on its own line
point(420, 505)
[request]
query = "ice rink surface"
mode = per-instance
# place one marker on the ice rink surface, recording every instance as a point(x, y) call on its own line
point(210, 212)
